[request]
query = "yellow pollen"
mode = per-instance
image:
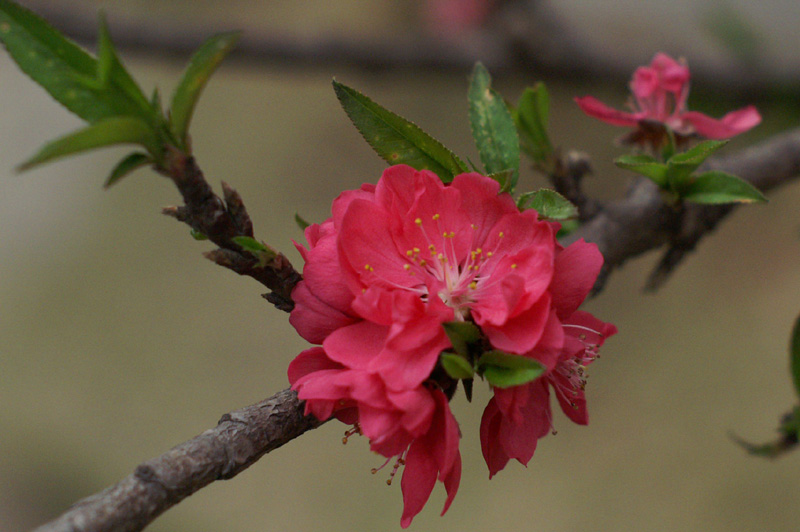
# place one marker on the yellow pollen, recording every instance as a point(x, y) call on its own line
point(423, 262)
point(406, 266)
point(436, 216)
point(409, 253)
point(479, 251)
point(418, 221)
point(416, 250)
point(472, 226)
point(473, 285)
point(369, 268)
point(501, 235)
point(512, 266)
point(489, 254)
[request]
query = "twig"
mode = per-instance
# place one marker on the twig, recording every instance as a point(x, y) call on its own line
point(238, 441)
point(221, 221)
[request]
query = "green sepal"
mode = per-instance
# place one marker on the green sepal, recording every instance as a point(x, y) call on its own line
point(301, 222)
point(127, 165)
point(549, 204)
point(504, 370)
point(197, 235)
point(456, 366)
point(531, 118)
point(67, 72)
point(461, 334)
point(106, 132)
point(715, 187)
point(201, 66)
point(646, 166)
point(395, 139)
point(493, 127)
point(794, 354)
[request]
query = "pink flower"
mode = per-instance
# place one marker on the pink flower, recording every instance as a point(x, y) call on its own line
point(517, 417)
point(395, 262)
point(660, 92)
point(414, 425)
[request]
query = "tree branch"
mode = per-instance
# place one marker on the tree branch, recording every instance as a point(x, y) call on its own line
point(240, 438)
point(642, 221)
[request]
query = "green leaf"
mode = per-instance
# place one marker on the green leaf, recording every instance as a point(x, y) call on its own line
point(493, 127)
point(107, 132)
point(201, 66)
point(504, 370)
point(63, 69)
point(646, 166)
point(263, 253)
point(531, 118)
point(126, 166)
point(461, 334)
point(505, 178)
point(456, 366)
point(300, 221)
point(692, 158)
point(549, 204)
point(395, 139)
point(794, 353)
point(717, 187)
point(250, 244)
point(197, 235)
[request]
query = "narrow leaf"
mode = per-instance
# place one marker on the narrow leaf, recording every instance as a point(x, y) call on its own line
point(549, 204)
point(492, 127)
point(505, 178)
point(126, 166)
point(531, 118)
point(107, 132)
point(717, 187)
point(501, 377)
point(646, 166)
point(61, 67)
point(794, 353)
point(250, 244)
point(300, 221)
point(197, 235)
point(456, 366)
point(395, 139)
point(695, 156)
point(202, 65)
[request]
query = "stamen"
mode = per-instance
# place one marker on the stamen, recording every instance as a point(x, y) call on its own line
point(350, 432)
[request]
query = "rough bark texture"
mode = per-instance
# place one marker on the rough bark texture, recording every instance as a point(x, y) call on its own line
point(240, 438)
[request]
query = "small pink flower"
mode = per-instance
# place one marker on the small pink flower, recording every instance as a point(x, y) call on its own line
point(660, 92)
point(517, 417)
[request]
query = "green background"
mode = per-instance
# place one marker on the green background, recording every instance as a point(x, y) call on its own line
point(118, 340)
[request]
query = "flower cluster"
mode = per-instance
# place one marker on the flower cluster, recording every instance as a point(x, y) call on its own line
point(397, 261)
point(660, 91)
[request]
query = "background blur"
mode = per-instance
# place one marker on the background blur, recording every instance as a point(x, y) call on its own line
point(118, 340)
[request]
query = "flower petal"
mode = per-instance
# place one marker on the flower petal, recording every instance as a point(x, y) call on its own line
point(728, 126)
point(575, 272)
point(597, 109)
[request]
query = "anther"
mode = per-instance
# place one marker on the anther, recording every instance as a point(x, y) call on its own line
point(418, 221)
point(436, 216)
